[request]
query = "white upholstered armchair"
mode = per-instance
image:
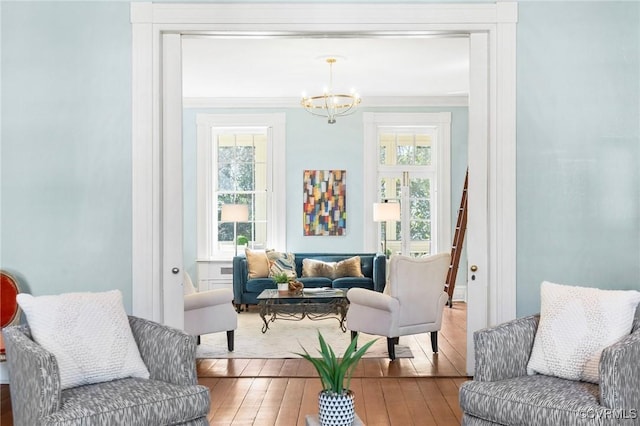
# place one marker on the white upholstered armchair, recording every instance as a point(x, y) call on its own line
point(412, 301)
point(209, 311)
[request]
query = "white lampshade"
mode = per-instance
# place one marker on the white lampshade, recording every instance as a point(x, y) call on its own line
point(383, 212)
point(234, 213)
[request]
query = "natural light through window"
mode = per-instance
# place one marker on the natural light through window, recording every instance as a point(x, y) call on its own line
point(237, 156)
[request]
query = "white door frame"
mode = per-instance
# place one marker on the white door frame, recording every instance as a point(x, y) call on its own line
point(150, 21)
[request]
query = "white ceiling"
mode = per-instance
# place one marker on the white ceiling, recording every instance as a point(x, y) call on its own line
point(288, 67)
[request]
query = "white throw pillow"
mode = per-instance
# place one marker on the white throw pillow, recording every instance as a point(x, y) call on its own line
point(576, 324)
point(88, 333)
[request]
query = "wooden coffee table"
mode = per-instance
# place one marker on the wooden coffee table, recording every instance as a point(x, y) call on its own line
point(311, 304)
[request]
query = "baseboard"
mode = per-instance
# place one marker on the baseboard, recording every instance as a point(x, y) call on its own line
point(4, 373)
point(460, 293)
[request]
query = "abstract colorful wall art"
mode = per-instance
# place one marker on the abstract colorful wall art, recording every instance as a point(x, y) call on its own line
point(324, 202)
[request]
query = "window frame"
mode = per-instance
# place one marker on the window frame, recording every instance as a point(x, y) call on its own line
point(440, 164)
point(206, 169)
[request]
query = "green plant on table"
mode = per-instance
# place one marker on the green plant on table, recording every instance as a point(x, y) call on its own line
point(242, 240)
point(281, 278)
point(333, 371)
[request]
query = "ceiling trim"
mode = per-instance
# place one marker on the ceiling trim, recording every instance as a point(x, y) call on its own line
point(376, 101)
point(259, 14)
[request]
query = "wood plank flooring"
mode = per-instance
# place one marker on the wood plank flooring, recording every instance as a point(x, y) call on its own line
point(450, 361)
point(385, 401)
point(420, 391)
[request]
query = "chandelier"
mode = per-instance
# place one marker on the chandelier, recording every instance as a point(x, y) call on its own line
point(329, 104)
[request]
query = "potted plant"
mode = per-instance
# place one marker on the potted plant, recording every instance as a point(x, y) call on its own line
point(335, 401)
point(282, 281)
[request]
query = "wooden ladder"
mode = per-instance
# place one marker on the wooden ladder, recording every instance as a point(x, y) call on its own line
point(458, 241)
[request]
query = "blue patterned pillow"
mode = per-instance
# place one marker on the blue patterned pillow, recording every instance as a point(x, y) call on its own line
point(281, 262)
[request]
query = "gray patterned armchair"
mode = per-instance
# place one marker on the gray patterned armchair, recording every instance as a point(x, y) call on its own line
point(501, 392)
point(171, 396)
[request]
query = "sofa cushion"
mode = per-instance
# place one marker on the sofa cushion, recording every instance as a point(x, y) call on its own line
point(256, 285)
point(350, 282)
point(535, 400)
point(139, 402)
point(88, 333)
point(257, 263)
point(576, 324)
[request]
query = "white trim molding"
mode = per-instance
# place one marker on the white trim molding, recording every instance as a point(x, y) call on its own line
point(151, 20)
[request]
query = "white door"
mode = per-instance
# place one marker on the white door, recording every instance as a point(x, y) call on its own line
point(477, 222)
point(171, 215)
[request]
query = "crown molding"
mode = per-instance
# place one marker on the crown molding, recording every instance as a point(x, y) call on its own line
point(315, 13)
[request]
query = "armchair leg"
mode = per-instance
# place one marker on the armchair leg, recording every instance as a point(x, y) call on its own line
point(238, 307)
point(434, 341)
point(230, 340)
point(354, 334)
point(197, 339)
point(391, 341)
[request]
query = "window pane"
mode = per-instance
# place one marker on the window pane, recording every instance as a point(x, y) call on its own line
point(260, 206)
point(226, 181)
point(420, 188)
point(224, 199)
point(404, 154)
point(244, 179)
point(389, 188)
point(245, 229)
point(225, 154)
point(387, 143)
point(420, 231)
point(225, 231)
point(423, 149)
point(260, 234)
point(244, 154)
point(383, 155)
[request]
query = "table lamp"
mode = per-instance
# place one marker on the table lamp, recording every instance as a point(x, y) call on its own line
point(384, 212)
point(234, 213)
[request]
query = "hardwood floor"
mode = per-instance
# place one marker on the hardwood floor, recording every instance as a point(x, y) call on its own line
point(418, 391)
point(264, 401)
point(449, 362)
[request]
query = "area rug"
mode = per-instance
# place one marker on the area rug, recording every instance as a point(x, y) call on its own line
point(284, 338)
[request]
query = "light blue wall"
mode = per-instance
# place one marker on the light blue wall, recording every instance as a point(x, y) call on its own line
point(66, 146)
point(578, 147)
point(311, 143)
point(66, 163)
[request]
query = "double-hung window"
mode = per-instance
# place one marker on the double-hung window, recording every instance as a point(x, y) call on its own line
point(237, 156)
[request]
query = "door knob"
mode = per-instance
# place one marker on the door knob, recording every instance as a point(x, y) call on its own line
point(473, 268)
point(175, 270)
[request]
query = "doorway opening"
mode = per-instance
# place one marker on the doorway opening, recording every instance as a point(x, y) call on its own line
point(157, 123)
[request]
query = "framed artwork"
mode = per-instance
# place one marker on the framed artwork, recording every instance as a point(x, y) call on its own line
point(324, 202)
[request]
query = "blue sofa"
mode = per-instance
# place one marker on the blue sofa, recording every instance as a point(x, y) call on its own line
point(373, 266)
